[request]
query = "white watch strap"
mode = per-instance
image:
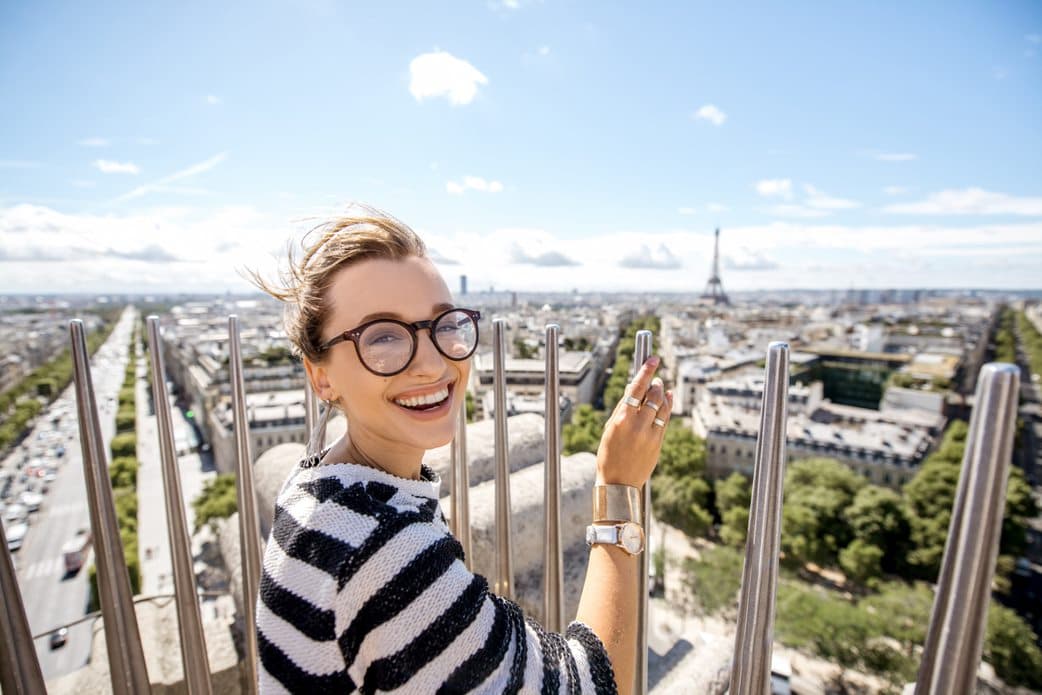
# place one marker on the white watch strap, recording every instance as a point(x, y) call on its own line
point(597, 533)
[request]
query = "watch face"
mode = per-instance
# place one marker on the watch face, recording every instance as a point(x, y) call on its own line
point(631, 538)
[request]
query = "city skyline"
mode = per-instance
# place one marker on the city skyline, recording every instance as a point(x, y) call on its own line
point(535, 146)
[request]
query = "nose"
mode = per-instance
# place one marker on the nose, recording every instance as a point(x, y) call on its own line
point(427, 361)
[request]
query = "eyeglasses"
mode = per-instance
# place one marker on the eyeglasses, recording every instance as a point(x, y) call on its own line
point(386, 346)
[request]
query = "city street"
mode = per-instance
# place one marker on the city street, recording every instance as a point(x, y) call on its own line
point(51, 599)
point(153, 541)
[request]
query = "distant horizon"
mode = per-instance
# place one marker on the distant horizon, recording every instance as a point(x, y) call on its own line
point(543, 293)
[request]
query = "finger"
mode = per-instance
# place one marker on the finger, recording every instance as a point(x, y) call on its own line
point(664, 414)
point(642, 379)
point(654, 399)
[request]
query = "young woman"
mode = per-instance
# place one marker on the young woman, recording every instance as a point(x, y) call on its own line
point(363, 587)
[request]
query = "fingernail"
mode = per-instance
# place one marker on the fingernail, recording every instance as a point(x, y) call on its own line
point(652, 361)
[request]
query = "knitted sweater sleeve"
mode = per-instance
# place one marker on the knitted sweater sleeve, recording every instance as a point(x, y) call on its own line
point(364, 590)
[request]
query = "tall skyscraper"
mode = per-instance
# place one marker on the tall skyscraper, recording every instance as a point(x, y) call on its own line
point(462, 285)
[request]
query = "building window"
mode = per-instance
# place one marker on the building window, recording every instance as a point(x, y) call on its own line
point(712, 448)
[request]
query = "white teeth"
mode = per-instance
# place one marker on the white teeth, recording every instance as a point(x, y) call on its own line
point(429, 399)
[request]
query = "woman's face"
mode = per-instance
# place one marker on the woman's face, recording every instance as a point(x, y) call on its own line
point(389, 414)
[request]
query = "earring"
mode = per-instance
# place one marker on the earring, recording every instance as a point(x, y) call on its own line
point(318, 436)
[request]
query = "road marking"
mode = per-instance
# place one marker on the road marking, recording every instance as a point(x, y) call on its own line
point(44, 568)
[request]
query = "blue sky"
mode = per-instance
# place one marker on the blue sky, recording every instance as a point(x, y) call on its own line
point(535, 145)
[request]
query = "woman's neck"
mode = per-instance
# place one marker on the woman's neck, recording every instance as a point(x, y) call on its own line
point(401, 463)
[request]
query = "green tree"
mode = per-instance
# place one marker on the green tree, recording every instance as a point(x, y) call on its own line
point(123, 472)
point(877, 519)
point(583, 433)
point(217, 500)
point(712, 581)
point(682, 502)
point(733, 498)
point(862, 561)
point(817, 491)
point(124, 445)
point(470, 406)
point(1011, 647)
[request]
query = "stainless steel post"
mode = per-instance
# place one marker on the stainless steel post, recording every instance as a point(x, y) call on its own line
point(553, 575)
point(504, 558)
point(751, 667)
point(127, 669)
point(310, 410)
point(249, 526)
point(460, 502)
point(641, 353)
point(953, 643)
point(189, 621)
point(20, 672)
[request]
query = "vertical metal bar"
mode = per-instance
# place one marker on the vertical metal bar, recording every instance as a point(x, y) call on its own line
point(553, 575)
point(953, 643)
point(310, 410)
point(189, 621)
point(751, 667)
point(20, 672)
point(641, 353)
point(504, 556)
point(249, 526)
point(461, 486)
point(127, 669)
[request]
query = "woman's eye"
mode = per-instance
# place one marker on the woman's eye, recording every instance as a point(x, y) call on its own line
point(383, 339)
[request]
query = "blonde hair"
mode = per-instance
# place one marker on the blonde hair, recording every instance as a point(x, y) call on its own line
point(341, 242)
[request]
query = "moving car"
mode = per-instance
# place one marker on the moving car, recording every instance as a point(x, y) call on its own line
point(15, 535)
point(74, 552)
point(59, 637)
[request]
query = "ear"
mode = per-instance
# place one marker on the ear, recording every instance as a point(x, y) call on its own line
point(319, 378)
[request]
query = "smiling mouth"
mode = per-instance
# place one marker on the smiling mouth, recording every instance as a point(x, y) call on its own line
point(429, 401)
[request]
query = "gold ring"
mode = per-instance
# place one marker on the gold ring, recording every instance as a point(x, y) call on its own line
point(631, 401)
point(659, 422)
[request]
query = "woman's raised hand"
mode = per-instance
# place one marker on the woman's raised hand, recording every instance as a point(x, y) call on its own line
point(633, 434)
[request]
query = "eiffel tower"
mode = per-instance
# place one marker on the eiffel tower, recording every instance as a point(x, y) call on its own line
point(715, 288)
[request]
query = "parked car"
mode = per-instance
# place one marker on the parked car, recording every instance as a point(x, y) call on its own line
point(16, 514)
point(31, 500)
point(15, 535)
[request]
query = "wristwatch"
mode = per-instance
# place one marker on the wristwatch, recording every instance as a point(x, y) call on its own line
point(628, 536)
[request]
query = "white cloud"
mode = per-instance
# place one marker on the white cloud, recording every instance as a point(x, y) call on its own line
point(106, 166)
point(544, 50)
point(658, 258)
point(212, 100)
point(441, 74)
point(970, 201)
point(895, 190)
point(819, 200)
point(158, 186)
point(94, 142)
point(474, 183)
point(711, 113)
point(895, 156)
point(716, 207)
point(775, 188)
point(686, 211)
point(1033, 38)
point(748, 259)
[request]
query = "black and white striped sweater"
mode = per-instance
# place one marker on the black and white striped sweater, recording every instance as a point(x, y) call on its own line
point(364, 590)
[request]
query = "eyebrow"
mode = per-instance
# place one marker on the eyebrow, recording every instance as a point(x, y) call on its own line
point(436, 309)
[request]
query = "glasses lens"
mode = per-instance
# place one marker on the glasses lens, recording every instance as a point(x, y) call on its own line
point(456, 334)
point(385, 347)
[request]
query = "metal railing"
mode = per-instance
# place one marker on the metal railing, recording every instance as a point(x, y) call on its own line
point(953, 646)
point(189, 621)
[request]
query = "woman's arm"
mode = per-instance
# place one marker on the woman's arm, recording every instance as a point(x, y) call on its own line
point(627, 455)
